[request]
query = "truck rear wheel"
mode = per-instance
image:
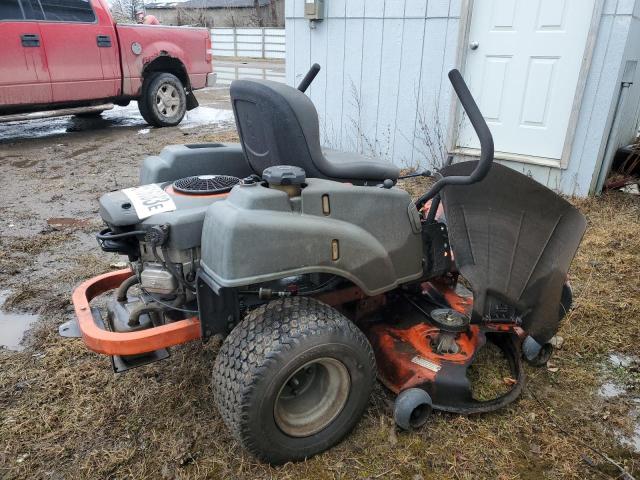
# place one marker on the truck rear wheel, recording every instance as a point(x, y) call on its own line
point(163, 101)
point(292, 379)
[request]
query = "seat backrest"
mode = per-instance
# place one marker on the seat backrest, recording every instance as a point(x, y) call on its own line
point(278, 125)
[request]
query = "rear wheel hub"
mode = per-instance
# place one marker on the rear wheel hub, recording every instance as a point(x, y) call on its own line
point(312, 397)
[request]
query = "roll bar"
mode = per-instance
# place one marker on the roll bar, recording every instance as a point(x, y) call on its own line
point(484, 135)
point(308, 78)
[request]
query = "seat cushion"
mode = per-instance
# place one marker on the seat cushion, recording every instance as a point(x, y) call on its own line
point(356, 167)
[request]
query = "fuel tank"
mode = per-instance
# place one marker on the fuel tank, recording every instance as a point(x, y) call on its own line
point(368, 235)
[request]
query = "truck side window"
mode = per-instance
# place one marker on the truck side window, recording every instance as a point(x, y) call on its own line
point(68, 11)
point(32, 10)
point(11, 10)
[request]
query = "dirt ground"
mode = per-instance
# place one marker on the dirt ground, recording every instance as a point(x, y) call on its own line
point(65, 414)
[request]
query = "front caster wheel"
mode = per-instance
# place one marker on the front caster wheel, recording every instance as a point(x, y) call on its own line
point(412, 409)
point(535, 354)
point(292, 379)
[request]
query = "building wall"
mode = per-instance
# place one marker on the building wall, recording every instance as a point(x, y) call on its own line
point(603, 87)
point(631, 114)
point(383, 87)
point(268, 16)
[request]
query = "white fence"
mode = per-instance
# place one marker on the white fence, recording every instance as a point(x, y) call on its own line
point(227, 72)
point(248, 42)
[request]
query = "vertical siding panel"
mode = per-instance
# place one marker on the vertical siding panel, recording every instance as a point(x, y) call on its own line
point(416, 9)
point(409, 91)
point(429, 91)
point(337, 9)
point(317, 90)
point(438, 8)
point(394, 9)
point(351, 81)
point(374, 9)
point(301, 50)
point(290, 35)
point(334, 67)
point(448, 63)
point(538, 172)
point(580, 173)
point(455, 9)
point(369, 88)
point(355, 8)
point(289, 8)
point(298, 8)
point(388, 95)
point(569, 176)
point(554, 180)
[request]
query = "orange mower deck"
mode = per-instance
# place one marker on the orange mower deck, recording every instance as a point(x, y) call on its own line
point(125, 343)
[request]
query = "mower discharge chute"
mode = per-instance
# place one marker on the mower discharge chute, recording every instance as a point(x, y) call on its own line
point(320, 273)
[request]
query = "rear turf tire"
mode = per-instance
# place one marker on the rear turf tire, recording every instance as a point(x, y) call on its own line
point(157, 89)
point(292, 379)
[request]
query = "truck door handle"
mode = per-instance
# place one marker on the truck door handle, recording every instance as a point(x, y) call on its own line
point(104, 41)
point(30, 40)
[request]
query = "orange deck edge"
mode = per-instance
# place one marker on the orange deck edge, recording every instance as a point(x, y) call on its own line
point(125, 343)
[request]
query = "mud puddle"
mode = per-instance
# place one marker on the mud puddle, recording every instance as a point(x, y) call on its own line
point(13, 325)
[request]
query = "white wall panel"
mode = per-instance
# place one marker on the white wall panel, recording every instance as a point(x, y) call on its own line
point(318, 89)
point(370, 85)
point(353, 70)
point(408, 83)
point(333, 66)
point(355, 8)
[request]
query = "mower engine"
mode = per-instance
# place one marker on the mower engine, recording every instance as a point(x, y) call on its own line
point(158, 227)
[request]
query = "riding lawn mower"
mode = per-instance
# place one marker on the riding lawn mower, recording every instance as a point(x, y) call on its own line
point(321, 274)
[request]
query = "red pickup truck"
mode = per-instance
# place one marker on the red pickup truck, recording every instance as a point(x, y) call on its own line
point(62, 57)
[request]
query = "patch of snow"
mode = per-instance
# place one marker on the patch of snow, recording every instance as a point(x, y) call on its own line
point(205, 116)
point(633, 441)
point(144, 131)
point(611, 390)
point(621, 360)
point(128, 116)
point(632, 189)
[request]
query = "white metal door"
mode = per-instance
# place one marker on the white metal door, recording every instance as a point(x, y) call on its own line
point(523, 66)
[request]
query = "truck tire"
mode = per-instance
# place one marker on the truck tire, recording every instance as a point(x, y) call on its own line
point(292, 379)
point(163, 101)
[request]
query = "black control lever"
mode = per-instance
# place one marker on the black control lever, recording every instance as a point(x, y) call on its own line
point(424, 173)
point(308, 78)
point(484, 135)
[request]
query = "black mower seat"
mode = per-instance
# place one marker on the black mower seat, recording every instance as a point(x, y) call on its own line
point(278, 125)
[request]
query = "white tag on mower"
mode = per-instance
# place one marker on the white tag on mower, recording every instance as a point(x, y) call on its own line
point(424, 363)
point(148, 200)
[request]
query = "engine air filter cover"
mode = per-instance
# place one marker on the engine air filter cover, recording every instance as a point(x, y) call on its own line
point(205, 184)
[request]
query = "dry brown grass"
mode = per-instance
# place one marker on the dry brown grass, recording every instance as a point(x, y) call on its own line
point(64, 414)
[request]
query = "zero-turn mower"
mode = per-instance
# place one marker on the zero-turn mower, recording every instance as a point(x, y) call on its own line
point(321, 274)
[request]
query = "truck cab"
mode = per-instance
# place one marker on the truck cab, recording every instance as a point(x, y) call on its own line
point(66, 57)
